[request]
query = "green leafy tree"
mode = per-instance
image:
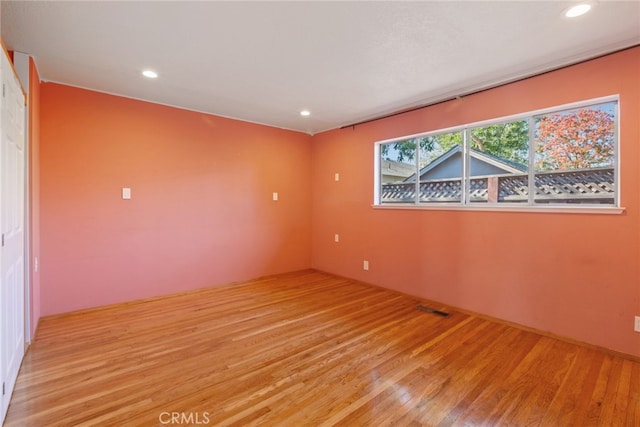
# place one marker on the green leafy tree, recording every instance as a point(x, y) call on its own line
point(406, 150)
point(507, 140)
point(430, 146)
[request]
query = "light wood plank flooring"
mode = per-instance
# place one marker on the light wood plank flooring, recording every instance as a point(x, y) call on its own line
point(311, 349)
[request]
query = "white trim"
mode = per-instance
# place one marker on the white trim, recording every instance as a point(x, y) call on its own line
point(418, 174)
point(465, 180)
point(616, 153)
point(504, 207)
point(531, 177)
point(376, 179)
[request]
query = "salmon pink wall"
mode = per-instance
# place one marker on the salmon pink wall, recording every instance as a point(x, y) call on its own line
point(574, 275)
point(34, 190)
point(201, 211)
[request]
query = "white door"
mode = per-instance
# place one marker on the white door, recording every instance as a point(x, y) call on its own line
point(12, 197)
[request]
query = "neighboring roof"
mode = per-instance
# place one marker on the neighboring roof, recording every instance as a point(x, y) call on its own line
point(513, 164)
point(508, 166)
point(394, 168)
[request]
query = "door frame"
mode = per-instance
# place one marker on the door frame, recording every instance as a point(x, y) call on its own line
point(26, 228)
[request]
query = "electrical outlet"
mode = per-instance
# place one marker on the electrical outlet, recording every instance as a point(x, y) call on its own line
point(636, 326)
point(337, 176)
point(336, 238)
point(275, 197)
point(365, 265)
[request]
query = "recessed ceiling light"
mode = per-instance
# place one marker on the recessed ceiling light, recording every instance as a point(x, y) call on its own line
point(305, 113)
point(150, 74)
point(577, 10)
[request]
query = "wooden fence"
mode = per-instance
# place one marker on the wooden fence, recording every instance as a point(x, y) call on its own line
point(591, 186)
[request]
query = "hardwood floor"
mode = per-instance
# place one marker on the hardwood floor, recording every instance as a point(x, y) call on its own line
point(311, 349)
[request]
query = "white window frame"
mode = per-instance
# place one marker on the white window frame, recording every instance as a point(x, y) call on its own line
point(531, 206)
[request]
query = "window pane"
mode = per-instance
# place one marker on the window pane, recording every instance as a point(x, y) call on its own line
point(498, 159)
point(440, 159)
point(575, 156)
point(397, 166)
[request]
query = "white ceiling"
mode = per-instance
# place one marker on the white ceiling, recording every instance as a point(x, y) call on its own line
point(344, 61)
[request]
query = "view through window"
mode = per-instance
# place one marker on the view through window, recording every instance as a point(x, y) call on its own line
point(558, 157)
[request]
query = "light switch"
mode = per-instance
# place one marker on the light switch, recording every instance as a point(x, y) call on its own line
point(275, 196)
point(126, 193)
point(337, 177)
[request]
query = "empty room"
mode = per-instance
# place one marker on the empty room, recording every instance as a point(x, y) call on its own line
point(317, 213)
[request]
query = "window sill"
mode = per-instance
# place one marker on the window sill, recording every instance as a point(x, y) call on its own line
point(606, 210)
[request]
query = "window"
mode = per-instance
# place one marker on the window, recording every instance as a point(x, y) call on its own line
point(575, 158)
point(557, 157)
